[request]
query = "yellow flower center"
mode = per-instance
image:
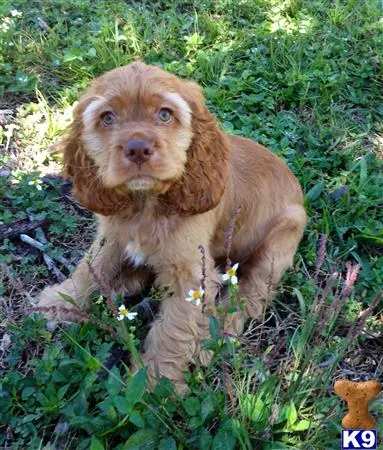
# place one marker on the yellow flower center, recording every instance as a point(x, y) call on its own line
point(196, 295)
point(123, 311)
point(231, 272)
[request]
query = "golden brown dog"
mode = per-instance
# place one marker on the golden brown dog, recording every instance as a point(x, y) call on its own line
point(149, 159)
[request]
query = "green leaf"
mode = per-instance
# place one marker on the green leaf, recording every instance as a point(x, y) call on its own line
point(136, 387)
point(302, 425)
point(224, 440)
point(137, 419)
point(373, 239)
point(254, 408)
point(192, 406)
point(363, 172)
point(205, 439)
point(167, 444)
point(96, 444)
point(302, 303)
point(164, 388)
point(67, 298)
point(292, 415)
point(92, 52)
point(62, 391)
point(133, 393)
point(142, 440)
point(27, 392)
point(29, 417)
point(122, 404)
point(314, 192)
point(77, 407)
point(228, 126)
point(114, 383)
point(195, 423)
point(214, 325)
point(111, 413)
point(207, 407)
point(106, 406)
point(276, 445)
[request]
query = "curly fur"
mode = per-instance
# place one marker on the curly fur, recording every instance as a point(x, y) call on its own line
point(203, 183)
point(153, 217)
point(87, 184)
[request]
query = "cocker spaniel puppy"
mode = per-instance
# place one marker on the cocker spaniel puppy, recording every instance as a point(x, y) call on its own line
point(148, 158)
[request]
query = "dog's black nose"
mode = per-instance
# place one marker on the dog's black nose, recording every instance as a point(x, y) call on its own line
point(138, 150)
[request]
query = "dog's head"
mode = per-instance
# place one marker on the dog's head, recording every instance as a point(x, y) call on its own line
point(140, 129)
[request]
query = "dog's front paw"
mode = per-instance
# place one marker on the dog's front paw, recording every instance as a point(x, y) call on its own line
point(156, 369)
point(205, 357)
point(57, 303)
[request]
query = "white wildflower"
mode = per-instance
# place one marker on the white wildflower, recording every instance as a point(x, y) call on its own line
point(4, 26)
point(125, 313)
point(36, 183)
point(195, 297)
point(231, 274)
point(15, 13)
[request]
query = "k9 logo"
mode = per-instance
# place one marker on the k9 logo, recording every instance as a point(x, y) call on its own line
point(352, 439)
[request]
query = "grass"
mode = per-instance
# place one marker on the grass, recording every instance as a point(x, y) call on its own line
point(301, 77)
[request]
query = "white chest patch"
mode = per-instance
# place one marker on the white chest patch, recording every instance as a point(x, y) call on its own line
point(134, 253)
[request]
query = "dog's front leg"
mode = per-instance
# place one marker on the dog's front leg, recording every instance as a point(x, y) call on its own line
point(99, 266)
point(174, 340)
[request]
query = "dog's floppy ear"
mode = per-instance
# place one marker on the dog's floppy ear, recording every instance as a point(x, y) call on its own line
point(203, 182)
point(79, 166)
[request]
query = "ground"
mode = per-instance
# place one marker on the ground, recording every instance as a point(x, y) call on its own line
point(301, 77)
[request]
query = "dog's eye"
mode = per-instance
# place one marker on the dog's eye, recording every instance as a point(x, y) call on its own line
point(165, 115)
point(108, 118)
